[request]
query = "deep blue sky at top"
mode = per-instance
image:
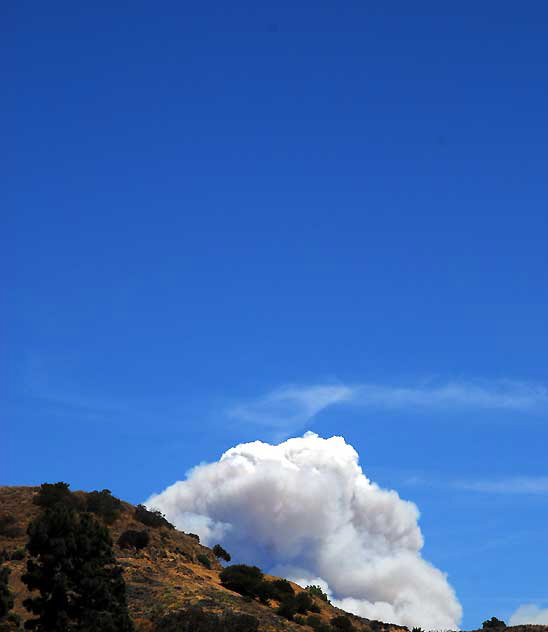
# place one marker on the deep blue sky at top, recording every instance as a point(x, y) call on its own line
point(205, 201)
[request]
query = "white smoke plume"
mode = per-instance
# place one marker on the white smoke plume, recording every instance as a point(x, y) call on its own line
point(529, 613)
point(305, 508)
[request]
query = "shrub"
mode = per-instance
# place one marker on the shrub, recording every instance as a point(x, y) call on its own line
point(8, 526)
point(6, 598)
point(18, 554)
point(194, 537)
point(52, 494)
point(220, 553)
point(134, 539)
point(73, 568)
point(342, 623)
point(287, 609)
point(104, 504)
point(316, 591)
point(299, 619)
point(281, 589)
point(264, 592)
point(493, 622)
point(317, 624)
point(291, 604)
point(194, 619)
point(204, 560)
point(304, 603)
point(151, 518)
point(243, 579)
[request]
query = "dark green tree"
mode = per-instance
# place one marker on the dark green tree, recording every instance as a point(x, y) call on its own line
point(151, 517)
point(243, 579)
point(6, 598)
point(53, 494)
point(316, 591)
point(134, 539)
point(72, 566)
point(281, 589)
point(342, 623)
point(104, 505)
point(493, 622)
point(220, 553)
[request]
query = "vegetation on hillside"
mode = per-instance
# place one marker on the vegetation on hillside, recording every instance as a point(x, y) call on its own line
point(151, 518)
point(8, 620)
point(172, 582)
point(194, 619)
point(73, 568)
point(493, 623)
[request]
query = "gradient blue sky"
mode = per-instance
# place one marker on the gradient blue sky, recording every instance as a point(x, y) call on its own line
point(208, 203)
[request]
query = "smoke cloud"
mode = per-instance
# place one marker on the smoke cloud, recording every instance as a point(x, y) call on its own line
point(529, 613)
point(305, 510)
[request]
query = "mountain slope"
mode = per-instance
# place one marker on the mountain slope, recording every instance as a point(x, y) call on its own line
point(165, 576)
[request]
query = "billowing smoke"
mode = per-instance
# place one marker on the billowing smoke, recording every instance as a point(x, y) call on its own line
point(529, 613)
point(304, 509)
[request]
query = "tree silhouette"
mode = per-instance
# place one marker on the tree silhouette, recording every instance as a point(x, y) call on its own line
point(220, 553)
point(6, 598)
point(73, 568)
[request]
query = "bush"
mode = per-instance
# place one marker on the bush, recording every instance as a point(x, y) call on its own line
point(299, 619)
point(134, 539)
point(6, 598)
point(281, 589)
point(304, 603)
point(18, 554)
point(194, 537)
point(287, 609)
point(151, 518)
point(316, 591)
point(194, 619)
point(52, 494)
point(73, 568)
point(104, 504)
point(204, 560)
point(220, 553)
point(342, 623)
point(493, 622)
point(291, 604)
point(317, 624)
point(8, 527)
point(243, 579)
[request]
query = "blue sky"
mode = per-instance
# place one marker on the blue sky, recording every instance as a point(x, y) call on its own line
point(214, 213)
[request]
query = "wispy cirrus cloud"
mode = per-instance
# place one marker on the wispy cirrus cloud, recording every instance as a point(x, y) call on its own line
point(293, 406)
point(512, 485)
point(496, 395)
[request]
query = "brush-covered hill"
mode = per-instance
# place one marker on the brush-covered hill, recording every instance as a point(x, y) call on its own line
point(172, 573)
point(173, 582)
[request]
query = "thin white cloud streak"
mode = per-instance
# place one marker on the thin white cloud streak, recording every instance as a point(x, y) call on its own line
point(291, 407)
point(306, 508)
point(529, 613)
point(513, 485)
point(500, 395)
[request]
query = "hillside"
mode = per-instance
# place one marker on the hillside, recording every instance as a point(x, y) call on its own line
point(163, 577)
point(170, 574)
